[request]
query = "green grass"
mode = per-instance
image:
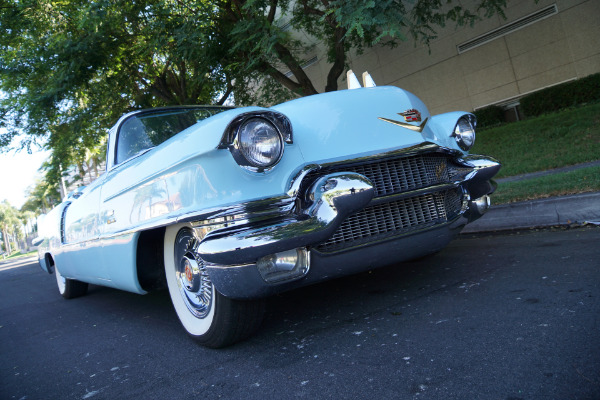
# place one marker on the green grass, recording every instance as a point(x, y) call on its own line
point(578, 181)
point(19, 255)
point(555, 140)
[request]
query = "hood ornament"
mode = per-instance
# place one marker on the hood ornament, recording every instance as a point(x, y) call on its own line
point(411, 115)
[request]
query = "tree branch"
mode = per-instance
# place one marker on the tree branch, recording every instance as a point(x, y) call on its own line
point(226, 94)
point(272, 10)
point(310, 10)
point(184, 5)
point(160, 88)
point(280, 77)
point(288, 59)
point(339, 63)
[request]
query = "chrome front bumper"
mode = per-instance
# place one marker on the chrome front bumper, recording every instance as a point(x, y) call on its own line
point(245, 282)
point(231, 253)
point(333, 197)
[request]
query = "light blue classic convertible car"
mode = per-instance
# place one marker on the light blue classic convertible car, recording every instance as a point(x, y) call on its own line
point(226, 206)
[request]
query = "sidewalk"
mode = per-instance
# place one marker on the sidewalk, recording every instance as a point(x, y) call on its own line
point(566, 210)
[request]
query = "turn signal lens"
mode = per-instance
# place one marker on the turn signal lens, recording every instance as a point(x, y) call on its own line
point(284, 267)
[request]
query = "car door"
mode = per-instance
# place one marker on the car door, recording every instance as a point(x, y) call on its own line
point(81, 256)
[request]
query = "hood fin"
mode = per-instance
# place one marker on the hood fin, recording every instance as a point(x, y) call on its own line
point(367, 80)
point(353, 82)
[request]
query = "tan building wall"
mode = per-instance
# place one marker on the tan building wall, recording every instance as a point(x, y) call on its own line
point(560, 47)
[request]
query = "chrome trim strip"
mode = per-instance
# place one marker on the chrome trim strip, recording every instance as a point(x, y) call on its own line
point(426, 147)
point(248, 212)
point(251, 211)
point(412, 193)
point(477, 168)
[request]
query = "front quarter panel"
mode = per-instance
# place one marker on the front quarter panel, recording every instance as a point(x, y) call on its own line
point(184, 176)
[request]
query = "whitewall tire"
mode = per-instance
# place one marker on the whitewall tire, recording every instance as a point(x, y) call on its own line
point(69, 288)
point(209, 317)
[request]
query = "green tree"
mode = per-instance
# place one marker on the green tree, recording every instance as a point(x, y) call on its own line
point(10, 225)
point(69, 69)
point(28, 220)
point(253, 32)
point(44, 195)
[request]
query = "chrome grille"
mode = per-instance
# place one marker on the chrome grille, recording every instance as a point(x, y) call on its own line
point(396, 175)
point(394, 218)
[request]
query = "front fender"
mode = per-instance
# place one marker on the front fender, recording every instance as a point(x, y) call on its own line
point(441, 127)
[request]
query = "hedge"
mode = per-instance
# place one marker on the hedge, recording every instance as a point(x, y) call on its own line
point(489, 116)
point(584, 90)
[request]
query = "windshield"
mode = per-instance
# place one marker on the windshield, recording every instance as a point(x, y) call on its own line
point(146, 130)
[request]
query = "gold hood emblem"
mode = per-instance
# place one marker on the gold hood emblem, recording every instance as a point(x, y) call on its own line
point(411, 115)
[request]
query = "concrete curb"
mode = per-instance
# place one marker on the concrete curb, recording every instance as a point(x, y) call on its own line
point(566, 210)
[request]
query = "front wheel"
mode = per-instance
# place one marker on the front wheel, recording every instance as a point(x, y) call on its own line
point(69, 288)
point(209, 317)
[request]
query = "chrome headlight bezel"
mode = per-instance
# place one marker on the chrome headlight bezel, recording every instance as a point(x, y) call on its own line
point(277, 125)
point(258, 144)
point(464, 131)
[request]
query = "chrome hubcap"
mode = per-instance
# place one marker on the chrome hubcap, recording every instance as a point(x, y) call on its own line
point(191, 275)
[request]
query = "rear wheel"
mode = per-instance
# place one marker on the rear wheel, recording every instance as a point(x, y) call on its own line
point(209, 317)
point(69, 288)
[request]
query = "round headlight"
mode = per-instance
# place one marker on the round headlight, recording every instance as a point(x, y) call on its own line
point(464, 133)
point(260, 143)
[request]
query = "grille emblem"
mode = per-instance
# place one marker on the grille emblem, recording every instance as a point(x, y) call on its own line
point(440, 169)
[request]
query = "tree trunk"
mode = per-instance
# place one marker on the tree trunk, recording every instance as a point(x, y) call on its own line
point(6, 241)
point(337, 68)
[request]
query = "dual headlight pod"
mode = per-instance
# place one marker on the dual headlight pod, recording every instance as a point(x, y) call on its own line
point(257, 139)
point(464, 132)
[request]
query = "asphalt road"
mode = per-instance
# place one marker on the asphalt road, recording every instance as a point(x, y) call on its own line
point(512, 316)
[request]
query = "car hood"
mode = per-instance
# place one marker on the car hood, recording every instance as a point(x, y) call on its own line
point(346, 123)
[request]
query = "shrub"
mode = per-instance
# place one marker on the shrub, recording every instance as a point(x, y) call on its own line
point(489, 116)
point(569, 94)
